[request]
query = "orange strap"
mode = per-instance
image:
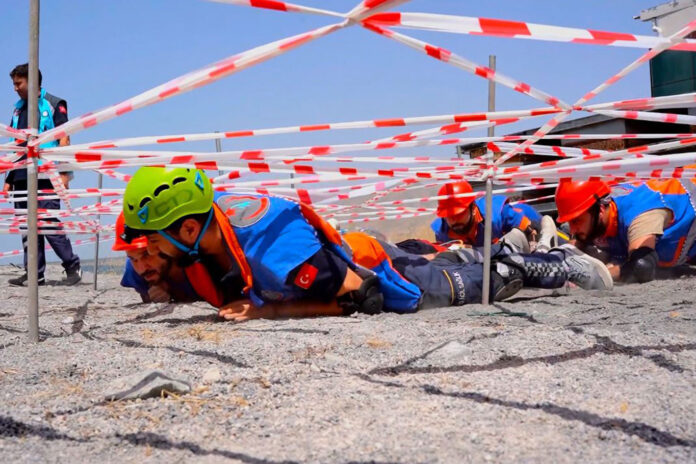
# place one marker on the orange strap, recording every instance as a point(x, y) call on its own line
point(613, 220)
point(319, 223)
point(233, 244)
point(199, 278)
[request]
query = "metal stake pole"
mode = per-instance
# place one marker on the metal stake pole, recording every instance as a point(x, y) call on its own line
point(32, 177)
point(96, 245)
point(218, 148)
point(488, 224)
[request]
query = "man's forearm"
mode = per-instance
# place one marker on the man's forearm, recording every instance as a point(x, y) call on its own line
point(305, 309)
point(615, 271)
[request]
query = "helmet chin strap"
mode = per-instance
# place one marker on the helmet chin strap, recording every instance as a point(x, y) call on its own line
point(192, 252)
point(597, 229)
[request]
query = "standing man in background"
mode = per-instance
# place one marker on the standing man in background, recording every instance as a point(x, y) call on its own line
point(53, 111)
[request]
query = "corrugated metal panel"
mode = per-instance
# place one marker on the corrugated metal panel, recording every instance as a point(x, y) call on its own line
point(672, 73)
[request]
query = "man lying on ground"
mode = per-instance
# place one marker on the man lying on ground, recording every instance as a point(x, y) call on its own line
point(639, 226)
point(463, 218)
point(271, 257)
point(153, 276)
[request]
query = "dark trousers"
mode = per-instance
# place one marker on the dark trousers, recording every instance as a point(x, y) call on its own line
point(442, 281)
point(60, 243)
point(453, 279)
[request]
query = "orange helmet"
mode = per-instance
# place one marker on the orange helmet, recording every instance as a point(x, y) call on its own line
point(575, 197)
point(448, 207)
point(120, 244)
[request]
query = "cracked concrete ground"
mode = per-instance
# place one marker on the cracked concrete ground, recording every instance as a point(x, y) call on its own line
point(580, 376)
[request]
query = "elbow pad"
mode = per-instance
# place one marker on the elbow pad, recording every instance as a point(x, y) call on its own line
point(640, 267)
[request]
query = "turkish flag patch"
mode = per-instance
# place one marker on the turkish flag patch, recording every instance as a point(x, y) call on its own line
point(306, 275)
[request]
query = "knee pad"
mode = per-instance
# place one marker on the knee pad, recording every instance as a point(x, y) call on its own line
point(367, 299)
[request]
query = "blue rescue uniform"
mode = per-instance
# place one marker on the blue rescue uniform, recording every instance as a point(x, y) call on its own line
point(505, 218)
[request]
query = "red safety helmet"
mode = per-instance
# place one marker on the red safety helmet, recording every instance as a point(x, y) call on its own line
point(575, 197)
point(120, 244)
point(449, 207)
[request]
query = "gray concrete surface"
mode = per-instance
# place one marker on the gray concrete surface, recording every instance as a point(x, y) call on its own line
point(576, 377)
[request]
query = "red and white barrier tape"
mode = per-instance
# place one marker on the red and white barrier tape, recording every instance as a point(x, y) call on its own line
point(187, 82)
point(368, 7)
point(372, 123)
point(448, 129)
point(669, 118)
point(8, 131)
point(7, 254)
point(643, 104)
point(447, 56)
point(546, 128)
point(620, 167)
point(518, 30)
point(280, 6)
point(569, 163)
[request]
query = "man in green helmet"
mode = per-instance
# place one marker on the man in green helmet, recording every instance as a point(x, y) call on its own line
point(231, 240)
point(272, 257)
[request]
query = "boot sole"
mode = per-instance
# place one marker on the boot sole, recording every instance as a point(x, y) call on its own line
point(508, 290)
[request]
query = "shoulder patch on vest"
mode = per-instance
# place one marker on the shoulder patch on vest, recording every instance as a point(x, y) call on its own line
point(244, 210)
point(620, 191)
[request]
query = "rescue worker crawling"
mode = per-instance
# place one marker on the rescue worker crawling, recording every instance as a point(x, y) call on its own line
point(638, 227)
point(272, 257)
point(155, 277)
point(463, 217)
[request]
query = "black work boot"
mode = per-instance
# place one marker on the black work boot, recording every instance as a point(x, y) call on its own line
point(73, 276)
point(506, 280)
point(22, 281)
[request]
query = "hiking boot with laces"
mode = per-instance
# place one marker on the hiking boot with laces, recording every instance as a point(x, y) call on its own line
point(583, 270)
point(23, 281)
point(73, 276)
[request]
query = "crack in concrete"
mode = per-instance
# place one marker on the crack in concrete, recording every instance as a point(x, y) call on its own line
point(288, 329)
point(414, 359)
point(604, 345)
point(522, 315)
point(11, 428)
point(163, 443)
point(645, 432)
point(223, 358)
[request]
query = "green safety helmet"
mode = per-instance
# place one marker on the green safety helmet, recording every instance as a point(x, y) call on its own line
point(155, 197)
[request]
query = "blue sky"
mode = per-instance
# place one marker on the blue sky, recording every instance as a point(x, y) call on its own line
point(96, 53)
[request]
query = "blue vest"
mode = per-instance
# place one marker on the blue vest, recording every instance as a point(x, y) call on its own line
point(46, 111)
point(276, 238)
point(505, 218)
point(631, 201)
